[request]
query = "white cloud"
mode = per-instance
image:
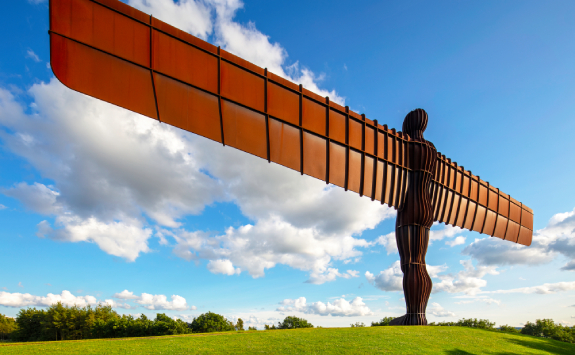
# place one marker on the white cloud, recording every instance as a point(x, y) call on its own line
point(17, 300)
point(447, 232)
point(469, 281)
point(30, 54)
point(116, 304)
point(457, 241)
point(558, 237)
point(155, 302)
point(221, 266)
point(339, 308)
point(38, 197)
point(20, 284)
point(484, 299)
point(390, 279)
point(2, 206)
point(126, 295)
point(546, 288)
point(389, 242)
point(188, 15)
point(439, 311)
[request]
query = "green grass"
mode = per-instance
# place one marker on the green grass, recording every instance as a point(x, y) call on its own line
point(369, 340)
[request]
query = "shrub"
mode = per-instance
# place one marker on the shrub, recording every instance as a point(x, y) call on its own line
point(471, 322)
point(211, 322)
point(292, 322)
point(382, 322)
point(508, 329)
point(547, 328)
point(357, 325)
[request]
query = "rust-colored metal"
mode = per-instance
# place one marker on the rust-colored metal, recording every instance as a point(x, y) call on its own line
point(113, 52)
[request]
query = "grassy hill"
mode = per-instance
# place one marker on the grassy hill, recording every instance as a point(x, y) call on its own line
point(369, 340)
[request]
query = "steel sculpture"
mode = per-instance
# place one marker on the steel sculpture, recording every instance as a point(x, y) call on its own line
point(111, 51)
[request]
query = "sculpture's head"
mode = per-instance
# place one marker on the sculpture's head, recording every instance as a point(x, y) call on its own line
point(415, 123)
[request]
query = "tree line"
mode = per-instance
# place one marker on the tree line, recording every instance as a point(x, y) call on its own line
point(61, 322)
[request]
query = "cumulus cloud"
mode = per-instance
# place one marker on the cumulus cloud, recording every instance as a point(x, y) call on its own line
point(469, 281)
point(340, 307)
point(439, 311)
point(388, 242)
point(447, 232)
point(390, 279)
point(546, 288)
point(153, 302)
point(18, 300)
point(457, 241)
point(223, 266)
point(558, 237)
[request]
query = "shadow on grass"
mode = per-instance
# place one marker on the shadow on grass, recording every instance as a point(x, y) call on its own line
point(548, 345)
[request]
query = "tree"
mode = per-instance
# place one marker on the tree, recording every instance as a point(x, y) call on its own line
point(240, 324)
point(358, 325)
point(7, 327)
point(508, 329)
point(211, 322)
point(292, 322)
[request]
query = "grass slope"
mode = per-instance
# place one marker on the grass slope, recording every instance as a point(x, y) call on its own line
point(369, 340)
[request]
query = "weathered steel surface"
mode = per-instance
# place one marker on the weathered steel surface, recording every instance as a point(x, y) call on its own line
point(111, 51)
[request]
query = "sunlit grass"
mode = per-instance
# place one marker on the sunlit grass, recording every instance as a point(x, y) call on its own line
point(369, 340)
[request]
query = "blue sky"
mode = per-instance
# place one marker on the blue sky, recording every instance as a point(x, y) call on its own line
point(98, 204)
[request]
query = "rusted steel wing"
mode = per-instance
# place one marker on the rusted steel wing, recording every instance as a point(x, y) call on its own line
point(464, 200)
point(113, 52)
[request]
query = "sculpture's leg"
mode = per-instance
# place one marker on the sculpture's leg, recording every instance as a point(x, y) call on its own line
point(412, 243)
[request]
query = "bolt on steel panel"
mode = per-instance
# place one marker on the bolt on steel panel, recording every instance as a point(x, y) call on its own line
point(514, 212)
point(503, 206)
point(242, 86)
point(512, 232)
point(527, 219)
point(337, 158)
point(283, 103)
point(368, 175)
point(336, 126)
point(454, 209)
point(184, 62)
point(188, 108)
point(462, 212)
point(489, 225)
point(244, 129)
point(500, 227)
point(354, 171)
point(525, 236)
point(314, 116)
point(314, 156)
point(379, 180)
point(480, 213)
point(102, 28)
point(369, 140)
point(99, 75)
point(355, 134)
point(468, 224)
point(285, 144)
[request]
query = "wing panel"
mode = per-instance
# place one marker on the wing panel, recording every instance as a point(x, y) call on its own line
point(337, 126)
point(512, 232)
point(244, 129)
point(103, 76)
point(181, 61)
point(283, 103)
point(188, 108)
point(355, 134)
point(379, 179)
point(314, 156)
point(354, 171)
point(314, 116)
point(285, 144)
point(368, 170)
point(500, 227)
point(242, 86)
point(337, 159)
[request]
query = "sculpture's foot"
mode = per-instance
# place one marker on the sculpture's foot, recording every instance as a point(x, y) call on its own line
point(410, 319)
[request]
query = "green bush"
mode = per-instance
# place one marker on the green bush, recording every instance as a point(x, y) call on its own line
point(211, 322)
point(382, 322)
point(471, 322)
point(292, 322)
point(508, 329)
point(547, 328)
